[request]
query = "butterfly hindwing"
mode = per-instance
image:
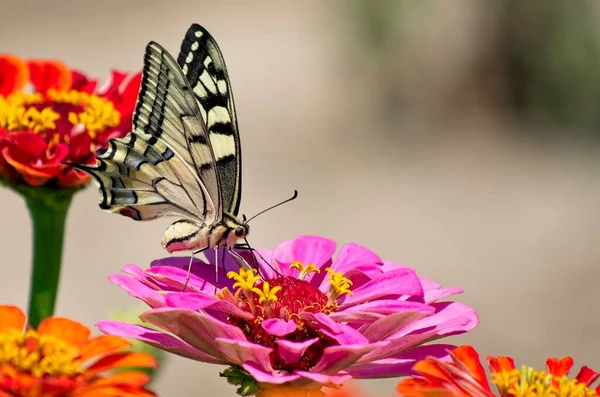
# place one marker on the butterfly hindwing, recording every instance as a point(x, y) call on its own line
point(204, 67)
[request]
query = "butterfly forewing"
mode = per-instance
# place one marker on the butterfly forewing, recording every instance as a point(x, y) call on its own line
point(202, 62)
point(150, 172)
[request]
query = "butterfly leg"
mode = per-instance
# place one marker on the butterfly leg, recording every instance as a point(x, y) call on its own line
point(239, 259)
point(187, 278)
point(216, 266)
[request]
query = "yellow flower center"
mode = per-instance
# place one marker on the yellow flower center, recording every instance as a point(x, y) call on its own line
point(38, 355)
point(21, 111)
point(528, 382)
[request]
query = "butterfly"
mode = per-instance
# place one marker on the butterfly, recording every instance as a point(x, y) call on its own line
point(182, 157)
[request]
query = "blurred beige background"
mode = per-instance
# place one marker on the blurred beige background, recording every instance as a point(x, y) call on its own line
point(401, 143)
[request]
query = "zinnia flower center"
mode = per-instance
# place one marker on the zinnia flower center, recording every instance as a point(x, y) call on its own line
point(285, 298)
point(529, 382)
point(38, 355)
point(57, 113)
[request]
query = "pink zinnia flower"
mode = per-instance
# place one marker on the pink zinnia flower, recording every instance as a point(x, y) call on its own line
point(304, 319)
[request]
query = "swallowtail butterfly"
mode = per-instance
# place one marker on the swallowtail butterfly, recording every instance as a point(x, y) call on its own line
point(182, 157)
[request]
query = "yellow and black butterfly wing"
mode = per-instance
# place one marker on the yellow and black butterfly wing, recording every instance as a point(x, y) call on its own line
point(165, 166)
point(204, 67)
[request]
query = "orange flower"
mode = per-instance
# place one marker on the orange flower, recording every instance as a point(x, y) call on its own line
point(60, 359)
point(465, 376)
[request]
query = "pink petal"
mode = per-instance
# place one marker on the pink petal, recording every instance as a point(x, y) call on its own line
point(325, 379)
point(290, 351)
point(393, 283)
point(155, 338)
point(389, 325)
point(138, 289)
point(397, 346)
point(278, 327)
point(400, 365)
point(306, 249)
point(353, 261)
point(342, 333)
point(198, 301)
point(354, 255)
point(433, 292)
point(338, 358)
point(272, 377)
point(173, 270)
point(198, 329)
point(450, 318)
point(372, 311)
point(243, 352)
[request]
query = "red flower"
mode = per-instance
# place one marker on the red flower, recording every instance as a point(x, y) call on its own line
point(66, 118)
point(60, 359)
point(465, 376)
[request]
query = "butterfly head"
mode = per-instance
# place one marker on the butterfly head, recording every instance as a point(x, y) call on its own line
point(242, 230)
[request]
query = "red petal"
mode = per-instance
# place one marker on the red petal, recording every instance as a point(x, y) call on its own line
point(501, 363)
point(72, 178)
point(130, 93)
point(587, 375)
point(30, 174)
point(13, 74)
point(46, 74)
point(82, 83)
point(111, 87)
point(559, 367)
point(28, 143)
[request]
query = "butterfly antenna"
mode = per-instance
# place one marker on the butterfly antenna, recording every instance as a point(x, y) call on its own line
point(274, 206)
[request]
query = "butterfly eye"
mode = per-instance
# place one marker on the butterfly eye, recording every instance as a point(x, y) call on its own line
point(239, 231)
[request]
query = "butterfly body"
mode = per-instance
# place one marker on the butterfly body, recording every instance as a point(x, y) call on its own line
point(186, 235)
point(182, 158)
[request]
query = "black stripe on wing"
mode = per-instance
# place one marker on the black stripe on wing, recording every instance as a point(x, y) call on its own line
point(204, 67)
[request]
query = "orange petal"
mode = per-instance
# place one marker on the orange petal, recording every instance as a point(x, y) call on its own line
point(120, 360)
point(501, 363)
point(415, 387)
point(46, 74)
point(13, 74)
point(111, 391)
point(430, 370)
point(68, 330)
point(559, 367)
point(131, 378)
point(11, 317)
point(102, 344)
point(468, 356)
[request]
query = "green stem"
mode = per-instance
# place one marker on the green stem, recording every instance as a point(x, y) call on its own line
point(48, 210)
